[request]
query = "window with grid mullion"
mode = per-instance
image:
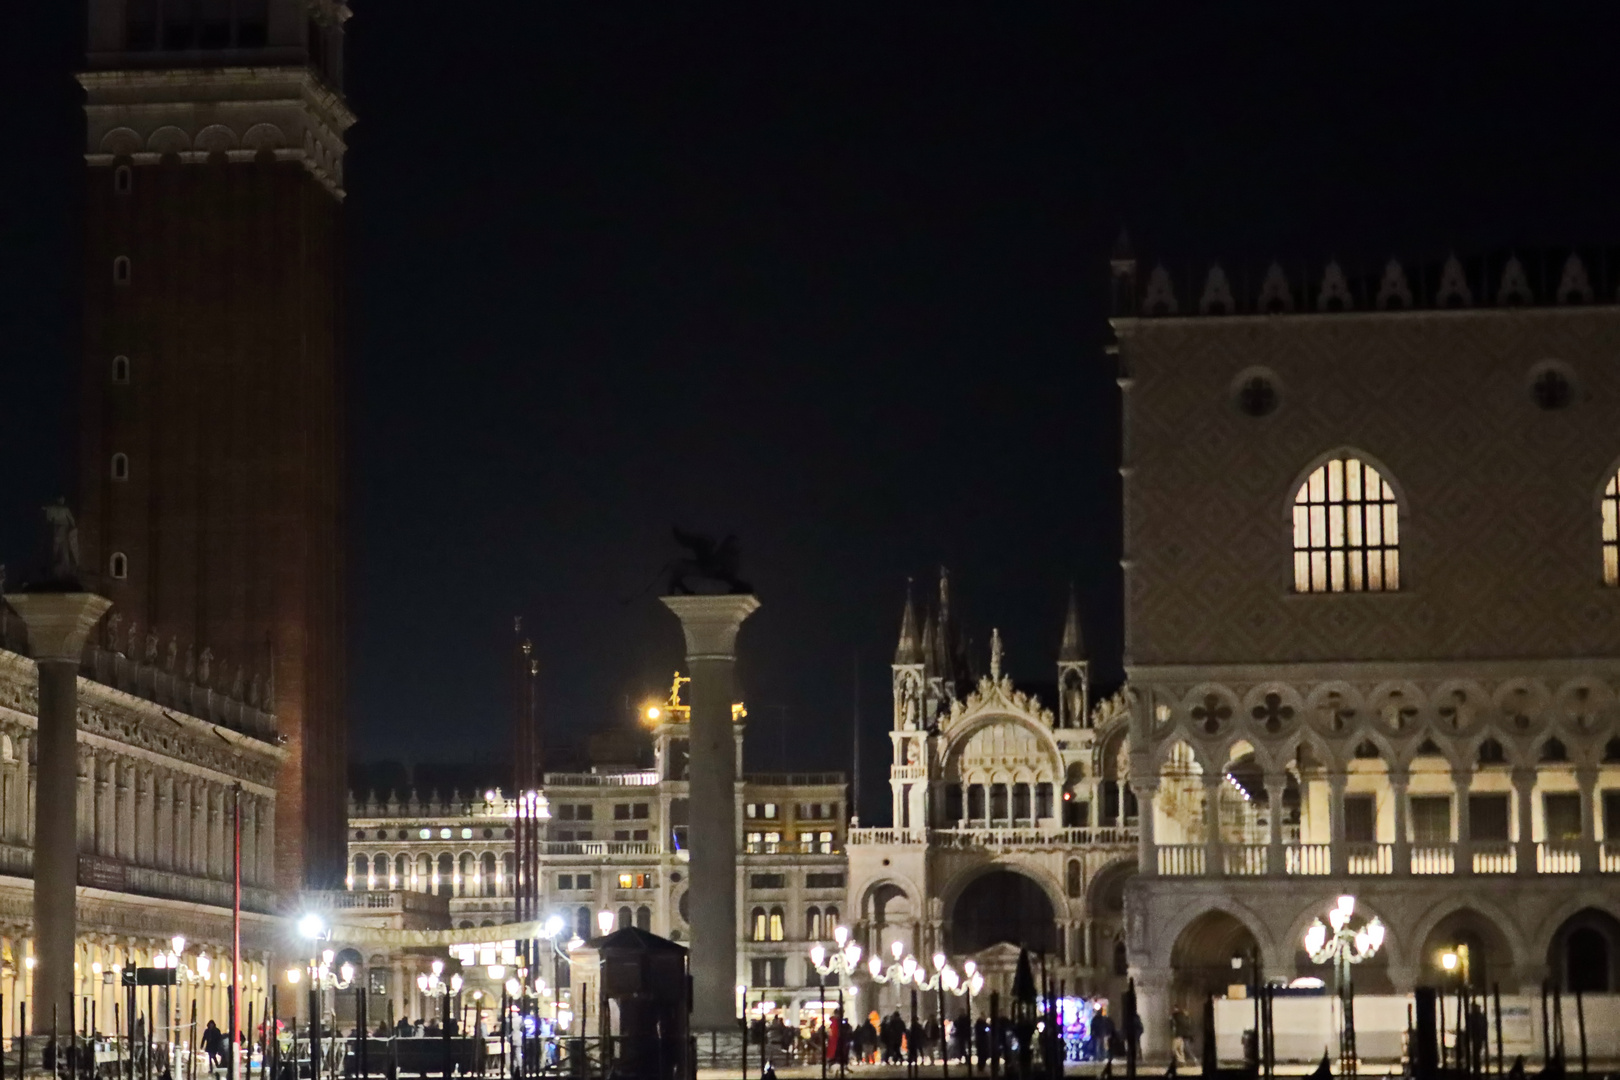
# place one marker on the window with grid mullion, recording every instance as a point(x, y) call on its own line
point(1345, 530)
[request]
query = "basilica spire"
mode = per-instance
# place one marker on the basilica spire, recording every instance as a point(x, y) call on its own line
point(1073, 648)
point(908, 651)
point(1074, 671)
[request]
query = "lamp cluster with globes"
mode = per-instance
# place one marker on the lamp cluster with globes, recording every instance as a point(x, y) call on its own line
point(1344, 945)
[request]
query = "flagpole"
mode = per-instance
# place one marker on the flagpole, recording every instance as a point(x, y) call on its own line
point(236, 927)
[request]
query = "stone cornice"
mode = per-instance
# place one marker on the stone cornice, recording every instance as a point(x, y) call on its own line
point(113, 720)
point(241, 113)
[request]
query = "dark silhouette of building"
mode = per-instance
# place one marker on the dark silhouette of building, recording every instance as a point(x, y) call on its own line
point(211, 443)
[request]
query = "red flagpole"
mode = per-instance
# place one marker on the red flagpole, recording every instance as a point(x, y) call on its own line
point(236, 928)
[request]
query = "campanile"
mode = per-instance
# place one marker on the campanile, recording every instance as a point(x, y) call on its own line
point(211, 424)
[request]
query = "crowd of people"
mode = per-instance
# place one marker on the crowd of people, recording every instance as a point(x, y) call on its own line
point(1090, 1034)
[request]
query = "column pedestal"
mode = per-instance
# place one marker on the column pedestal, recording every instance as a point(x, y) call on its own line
point(58, 624)
point(710, 624)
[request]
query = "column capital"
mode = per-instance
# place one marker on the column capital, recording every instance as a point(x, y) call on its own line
point(58, 622)
point(710, 623)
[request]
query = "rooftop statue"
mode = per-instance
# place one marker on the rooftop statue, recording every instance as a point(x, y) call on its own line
point(64, 566)
point(710, 567)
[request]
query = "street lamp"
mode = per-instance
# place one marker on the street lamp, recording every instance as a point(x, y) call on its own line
point(1344, 947)
point(845, 959)
point(604, 921)
point(432, 985)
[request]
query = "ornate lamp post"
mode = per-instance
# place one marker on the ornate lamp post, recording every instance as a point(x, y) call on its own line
point(432, 985)
point(1345, 947)
point(907, 970)
point(844, 960)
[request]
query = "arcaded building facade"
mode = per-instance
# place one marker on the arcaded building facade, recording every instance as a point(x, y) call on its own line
point(1373, 621)
point(164, 766)
point(614, 841)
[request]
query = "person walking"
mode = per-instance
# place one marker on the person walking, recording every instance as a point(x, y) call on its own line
point(213, 1042)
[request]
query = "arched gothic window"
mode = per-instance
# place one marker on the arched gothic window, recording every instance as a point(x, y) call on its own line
point(778, 931)
point(1346, 530)
point(756, 919)
point(644, 918)
point(487, 875)
point(379, 873)
point(357, 880)
point(1611, 532)
point(812, 924)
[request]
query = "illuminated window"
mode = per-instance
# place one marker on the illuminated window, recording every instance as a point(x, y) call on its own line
point(812, 924)
point(756, 919)
point(773, 843)
point(807, 843)
point(777, 929)
point(1611, 532)
point(627, 881)
point(1346, 532)
point(826, 843)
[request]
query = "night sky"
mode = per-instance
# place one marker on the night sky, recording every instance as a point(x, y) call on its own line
point(830, 277)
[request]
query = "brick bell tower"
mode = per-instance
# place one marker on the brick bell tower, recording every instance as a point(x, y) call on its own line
point(211, 441)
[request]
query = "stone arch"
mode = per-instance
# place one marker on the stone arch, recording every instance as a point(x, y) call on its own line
point(1359, 454)
point(215, 139)
point(1003, 902)
point(1371, 976)
point(1202, 956)
point(1583, 953)
point(959, 739)
point(890, 910)
point(264, 138)
point(168, 140)
point(121, 142)
point(1494, 949)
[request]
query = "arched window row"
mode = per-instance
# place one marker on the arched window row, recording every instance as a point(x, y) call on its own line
point(467, 875)
point(999, 804)
point(1346, 530)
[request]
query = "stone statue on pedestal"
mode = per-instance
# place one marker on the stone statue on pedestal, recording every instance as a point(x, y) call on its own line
point(709, 568)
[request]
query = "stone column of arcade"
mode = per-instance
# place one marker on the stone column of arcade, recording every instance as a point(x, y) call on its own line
point(58, 624)
point(710, 624)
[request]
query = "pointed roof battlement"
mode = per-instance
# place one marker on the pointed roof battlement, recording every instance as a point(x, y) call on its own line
point(1502, 279)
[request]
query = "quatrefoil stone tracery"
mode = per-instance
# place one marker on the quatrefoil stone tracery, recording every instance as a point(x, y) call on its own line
point(1212, 713)
point(1272, 713)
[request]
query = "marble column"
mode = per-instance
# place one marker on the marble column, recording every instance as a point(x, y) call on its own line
point(1401, 851)
point(1338, 853)
point(1462, 781)
point(710, 624)
point(1214, 852)
point(1147, 849)
point(58, 624)
point(1276, 861)
point(1524, 785)
point(1586, 777)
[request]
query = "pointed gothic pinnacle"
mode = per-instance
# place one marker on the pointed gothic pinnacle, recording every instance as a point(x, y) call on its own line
point(1073, 648)
point(907, 651)
point(927, 645)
